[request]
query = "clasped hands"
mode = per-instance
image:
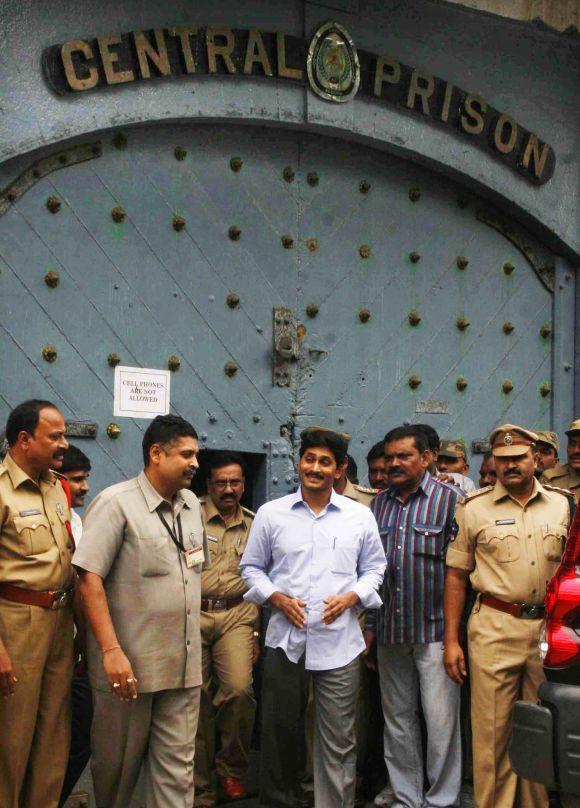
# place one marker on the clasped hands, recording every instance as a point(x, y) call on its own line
point(293, 608)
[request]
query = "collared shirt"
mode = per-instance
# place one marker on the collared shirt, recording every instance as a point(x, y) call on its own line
point(226, 545)
point(35, 546)
point(415, 534)
point(76, 524)
point(563, 476)
point(511, 549)
point(359, 493)
point(466, 484)
point(153, 597)
point(311, 556)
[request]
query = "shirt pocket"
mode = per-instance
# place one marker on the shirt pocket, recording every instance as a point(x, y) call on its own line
point(554, 541)
point(502, 543)
point(428, 541)
point(344, 559)
point(34, 534)
point(155, 557)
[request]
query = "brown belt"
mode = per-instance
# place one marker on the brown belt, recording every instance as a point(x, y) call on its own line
point(53, 599)
point(524, 610)
point(219, 604)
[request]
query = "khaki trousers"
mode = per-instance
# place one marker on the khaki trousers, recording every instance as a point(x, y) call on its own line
point(35, 722)
point(157, 730)
point(227, 699)
point(504, 666)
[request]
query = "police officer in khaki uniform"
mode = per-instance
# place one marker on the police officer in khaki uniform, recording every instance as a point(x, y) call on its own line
point(509, 542)
point(36, 618)
point(568, 475)
point(229, 636)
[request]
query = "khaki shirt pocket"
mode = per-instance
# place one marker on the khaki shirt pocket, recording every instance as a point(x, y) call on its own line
point(155, 556)
point(554, 541)
point(34, 533)
point(501, 543)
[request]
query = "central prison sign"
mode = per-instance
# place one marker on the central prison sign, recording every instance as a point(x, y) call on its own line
point(331, 64)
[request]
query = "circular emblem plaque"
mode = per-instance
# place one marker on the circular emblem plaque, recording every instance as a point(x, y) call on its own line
point(508, 440)
point(332, 64)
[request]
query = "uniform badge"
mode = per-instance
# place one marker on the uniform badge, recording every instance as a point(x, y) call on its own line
point(508, 440)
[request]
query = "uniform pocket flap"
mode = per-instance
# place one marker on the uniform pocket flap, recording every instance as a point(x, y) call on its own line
point(30, 522)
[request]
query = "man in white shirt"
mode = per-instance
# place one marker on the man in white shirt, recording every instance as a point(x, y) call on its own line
point(314, 556)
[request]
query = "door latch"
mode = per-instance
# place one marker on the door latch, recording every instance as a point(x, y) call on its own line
point(285, 346)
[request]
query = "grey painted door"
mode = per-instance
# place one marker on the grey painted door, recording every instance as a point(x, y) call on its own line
point(310, 235)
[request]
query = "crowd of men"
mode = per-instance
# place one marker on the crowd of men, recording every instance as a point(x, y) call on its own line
point(369, 608)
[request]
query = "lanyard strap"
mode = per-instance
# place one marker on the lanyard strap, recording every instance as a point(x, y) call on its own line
point(177, 539)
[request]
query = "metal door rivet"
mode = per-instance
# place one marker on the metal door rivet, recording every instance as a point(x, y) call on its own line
point(508, 327)
point(53, 204)
point(312, 245)
point(173, 363)
point(274, 481)
point(312, 179)
point(461, 384)
point(546, 330)
point(180, 153)
point(113, 430)
point(235, 164)
point(113, 359)
point(287, 242)
point(275, 453)
point(567, 367)
point(414, 257)
point(462, 201)
point(120, 140)
point(508, 267)
point(256, 419)
point(259, 329)
point(461, 262)
point(203, 436)
point(233, 300)
point(178, 223)
point(507, 386)
point(49, 353)
point(414, 382)
point(341, 420)
point(288, 174)
point(364, 250)
point(414, 194)
point(52, 278)
point(414, 318)
point(265, 444)
point(118, 214)
point(212, 417)
point(545, 390)
point(230, 369)
point(234, 233)
point(462, 323)
point(364, 315)
point(312, 309)
point(364, 186)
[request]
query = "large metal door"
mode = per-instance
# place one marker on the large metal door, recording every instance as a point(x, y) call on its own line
point(181, 241)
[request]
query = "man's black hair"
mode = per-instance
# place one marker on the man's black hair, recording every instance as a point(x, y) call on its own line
point(74, 460)
point(351, 470)
point(164, 429)
point(415, 431)
point(217, 460)
point(326, 438)
point(433, 441)
point(24, 418)
point(377, 452)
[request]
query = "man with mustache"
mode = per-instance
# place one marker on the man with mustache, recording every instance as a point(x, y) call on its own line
point(509, 543)
point(140, 562)
point(36, 616)
point(568, 475)
point(547, 449)
point(229, 636)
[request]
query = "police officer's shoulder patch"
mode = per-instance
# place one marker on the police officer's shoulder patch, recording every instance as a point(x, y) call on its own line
point(563, 491)
point(364, 490)
point(248, 511)
point(475, 494)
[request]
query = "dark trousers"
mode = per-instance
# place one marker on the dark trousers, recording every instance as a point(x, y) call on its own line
point(80, 747)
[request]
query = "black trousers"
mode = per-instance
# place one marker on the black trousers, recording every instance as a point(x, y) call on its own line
point(80, 747)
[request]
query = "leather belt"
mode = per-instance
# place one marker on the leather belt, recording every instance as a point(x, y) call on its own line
point(525, 611)
point(53, 599)
point(219, 604)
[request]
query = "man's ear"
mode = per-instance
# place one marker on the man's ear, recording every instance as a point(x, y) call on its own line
point(340, 470)
point(155, 453)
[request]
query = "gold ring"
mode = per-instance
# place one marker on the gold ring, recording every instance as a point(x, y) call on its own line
point(116, 684)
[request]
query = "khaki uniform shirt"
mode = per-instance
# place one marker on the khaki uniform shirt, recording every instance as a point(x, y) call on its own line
point(35, 545)
point(562, 476)
point(510, 550)
point(153, 597)
point(226, 544)
point(359, 493)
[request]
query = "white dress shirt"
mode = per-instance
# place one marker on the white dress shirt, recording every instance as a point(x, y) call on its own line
point(311, 556)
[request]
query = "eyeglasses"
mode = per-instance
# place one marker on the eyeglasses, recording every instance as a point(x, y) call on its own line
point(221, 485)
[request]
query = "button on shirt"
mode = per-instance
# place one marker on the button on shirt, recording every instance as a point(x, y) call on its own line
point(510, 549)
point(415, 534)
point(226, 544)
point(153, 597)
point(311, 556)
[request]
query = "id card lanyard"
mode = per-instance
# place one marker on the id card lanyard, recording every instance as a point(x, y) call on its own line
point(176, 538)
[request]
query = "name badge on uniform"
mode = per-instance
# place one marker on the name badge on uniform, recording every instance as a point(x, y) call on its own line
point(212, 538)
point(59, 508)
point(194, 556)
point(505, 521)
point(31, 512)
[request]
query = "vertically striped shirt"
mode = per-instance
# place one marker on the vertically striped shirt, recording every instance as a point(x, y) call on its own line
point(415, 534)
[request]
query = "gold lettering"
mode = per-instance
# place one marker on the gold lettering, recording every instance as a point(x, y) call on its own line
point(110, 59)
point(256, 52)
point(447, 102)
point(284, 71)
point(498, 136)
point(146, 53)
point(392, 76)
point(76, 82)
point(532, 152)
point(424, 90)
point(223, 51)
point(474, 108)
point(184, 32)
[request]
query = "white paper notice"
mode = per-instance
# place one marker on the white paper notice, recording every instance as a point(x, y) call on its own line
point(141, 392)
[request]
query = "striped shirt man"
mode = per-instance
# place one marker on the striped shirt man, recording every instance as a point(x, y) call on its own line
point(415, 534)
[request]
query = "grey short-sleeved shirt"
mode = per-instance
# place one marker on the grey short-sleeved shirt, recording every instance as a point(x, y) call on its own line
point(154, 599)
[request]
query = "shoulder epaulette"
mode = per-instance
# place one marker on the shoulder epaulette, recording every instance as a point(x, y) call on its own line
point(58, 475)
point(474, 494)
point(564, 491)
point(364, 490)
point(248, 511)
point(3, 469)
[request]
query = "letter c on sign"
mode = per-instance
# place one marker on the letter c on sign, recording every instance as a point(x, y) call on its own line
point(75, 81)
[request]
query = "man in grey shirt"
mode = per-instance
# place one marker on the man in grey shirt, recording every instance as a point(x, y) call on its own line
point(140, 565)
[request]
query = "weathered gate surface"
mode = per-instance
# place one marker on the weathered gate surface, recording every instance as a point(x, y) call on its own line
point(404, 301)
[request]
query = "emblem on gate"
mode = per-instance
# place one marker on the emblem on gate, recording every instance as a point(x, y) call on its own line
point(332, 65)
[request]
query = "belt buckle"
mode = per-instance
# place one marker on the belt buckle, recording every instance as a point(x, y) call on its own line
point(61, 598)
point(219, 604)
point(531, 612)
